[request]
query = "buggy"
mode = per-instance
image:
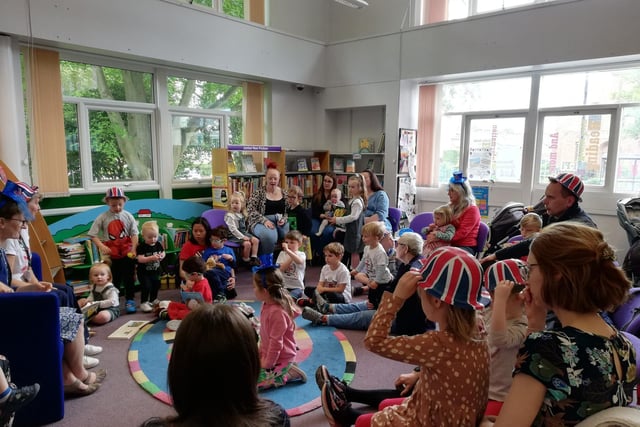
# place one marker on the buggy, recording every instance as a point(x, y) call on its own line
point(504, 224)
point(628, 211)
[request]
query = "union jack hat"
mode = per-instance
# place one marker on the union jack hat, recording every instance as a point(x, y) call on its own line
point(454, 276)
point(507, 269)
point(115, 193)
point(571, 182)
point(27, 191)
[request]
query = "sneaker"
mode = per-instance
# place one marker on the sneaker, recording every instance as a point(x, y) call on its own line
point(323, 376)
point(155, 302)
point(312, 315)
point(19, 398)
point(92, 350)
point(146, 307)
point(163, 314)
point(295, 374)
point(220, 299)
point(254, 262)
point(333, 406)
point(90, 362)
point(304, 302)
point(130, 306)
point(321, 303)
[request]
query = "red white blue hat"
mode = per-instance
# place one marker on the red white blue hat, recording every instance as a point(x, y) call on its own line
point(507, 269)
point(454, 276)
point(571, 182)
point(27, 191)
point(115, 193)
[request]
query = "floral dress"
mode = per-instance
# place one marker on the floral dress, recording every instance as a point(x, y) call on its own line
point(579, 372)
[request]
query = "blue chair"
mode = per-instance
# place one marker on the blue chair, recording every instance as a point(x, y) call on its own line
point(395, 215)
point(420, 221)
point(215, 218)
point(483, 234)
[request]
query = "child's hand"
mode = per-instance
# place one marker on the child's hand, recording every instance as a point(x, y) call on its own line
point(285, 246)
point(407, 284)
point(104, 249)
point(281, 222)
point(405, 382)
point(193, 304)
point(503, 291)
point(231, 283)
point(227, 257)
point(431, 237)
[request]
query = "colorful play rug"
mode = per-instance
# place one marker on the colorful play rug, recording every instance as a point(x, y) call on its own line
point(151, 348)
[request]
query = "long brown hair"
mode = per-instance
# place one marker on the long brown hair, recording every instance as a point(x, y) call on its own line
point(319, 198)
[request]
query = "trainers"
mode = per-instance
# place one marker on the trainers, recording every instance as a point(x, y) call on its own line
point(254, 262)
point(146, 307)
point(304, 302)
point(19, 398)
point(155, 302)
point(220, 299)
point(333, 406)
point(323, 376)
point(312, 315)
point(130, 306)
point(295, 374)
point(89, 362)
point(163, 314)
point(92, 350)
point(321, 303)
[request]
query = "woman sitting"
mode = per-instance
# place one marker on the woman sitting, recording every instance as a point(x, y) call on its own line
point(466, 215)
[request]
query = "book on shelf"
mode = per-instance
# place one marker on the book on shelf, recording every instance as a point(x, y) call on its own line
point(231, 166)
point(315, 164)
point(128, 330)
point(248, 164)
point(366, 145)
point(302, 165)
point(351, 166)
point(371, 164)
point(338, 164)
point(381, 144)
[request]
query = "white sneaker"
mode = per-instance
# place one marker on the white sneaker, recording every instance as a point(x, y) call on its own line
point(155, 302)
point(92, 350)
point(90, 362)
point(146, 307)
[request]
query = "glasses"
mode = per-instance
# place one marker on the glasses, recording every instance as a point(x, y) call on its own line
point(216, 240)
point(23, 222)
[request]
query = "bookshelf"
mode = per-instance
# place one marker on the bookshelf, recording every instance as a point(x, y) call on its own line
point(240, 168)
point(316, 164)
point(360, 161)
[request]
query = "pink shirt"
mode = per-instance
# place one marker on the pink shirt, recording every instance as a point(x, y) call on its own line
point(466, 224)
point(277, 341)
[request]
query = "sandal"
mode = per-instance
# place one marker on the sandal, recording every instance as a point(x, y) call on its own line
point(75, 389)
point(98, 377)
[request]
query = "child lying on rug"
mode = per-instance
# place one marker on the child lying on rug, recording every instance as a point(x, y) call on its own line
point(194, 268)
point(278, 347)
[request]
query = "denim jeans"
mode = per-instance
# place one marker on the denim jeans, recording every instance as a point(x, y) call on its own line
point(269, 237)
point(355, 316)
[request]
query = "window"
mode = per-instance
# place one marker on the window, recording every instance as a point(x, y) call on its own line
point(204, 115)
point(585, 122)
point(233, 8)
point(460, 9)
point(109, 124)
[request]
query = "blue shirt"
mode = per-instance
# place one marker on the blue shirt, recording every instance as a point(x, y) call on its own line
point(228, 264)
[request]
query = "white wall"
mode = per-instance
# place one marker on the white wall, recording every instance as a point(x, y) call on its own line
point(294, 115)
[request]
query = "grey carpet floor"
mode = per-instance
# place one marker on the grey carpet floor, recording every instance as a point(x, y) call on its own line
point(120, 401)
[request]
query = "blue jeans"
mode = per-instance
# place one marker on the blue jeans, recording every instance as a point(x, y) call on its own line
point(269, 237)
point(355, 316)
point(295, 293)
point(318, 243)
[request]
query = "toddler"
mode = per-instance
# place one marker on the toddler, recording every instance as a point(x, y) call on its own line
point(373, 270)
point(194, 268)
point(115, 233)
point(278, 347)
point(236, 220)
point(332, 207)
point(440, 232)
point(530, 225)
point(292, 263)
point(506, 325)
point(150, 253)
point(104, 292)
point(220, 262)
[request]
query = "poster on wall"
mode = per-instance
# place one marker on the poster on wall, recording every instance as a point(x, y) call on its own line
point(407, 151)
point(219, 191)
point(481, 193)
point(406, 182)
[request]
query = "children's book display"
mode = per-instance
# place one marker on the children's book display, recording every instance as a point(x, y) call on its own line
point(302, 165)
point(338, 164)
point(315, 164)
point(351, 166)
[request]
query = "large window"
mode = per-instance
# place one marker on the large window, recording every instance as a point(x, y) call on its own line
point(584, 122)
point(461, 9)
point(233, 8)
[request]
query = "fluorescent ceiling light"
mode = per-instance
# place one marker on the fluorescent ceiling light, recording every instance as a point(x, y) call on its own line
point(356, 4)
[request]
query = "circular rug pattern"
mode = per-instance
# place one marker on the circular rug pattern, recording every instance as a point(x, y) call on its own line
point(150, 351)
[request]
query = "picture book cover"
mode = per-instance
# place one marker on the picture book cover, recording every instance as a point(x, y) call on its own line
point(315, 164)
point(351, 166)
point(128, 330)
point(302, 165)
point(186, 296)
point(338, 164)
point(247, 164)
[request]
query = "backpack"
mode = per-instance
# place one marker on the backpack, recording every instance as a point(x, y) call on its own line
point(627, 316)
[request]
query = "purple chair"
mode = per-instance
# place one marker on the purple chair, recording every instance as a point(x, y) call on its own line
point(420, 221)
point(627, 316)
point(215, 218)
point(483, 234)
point(395, 215)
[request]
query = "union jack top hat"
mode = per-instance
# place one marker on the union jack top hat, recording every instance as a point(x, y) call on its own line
point(115, 193)
point(571, 182)
point(454, 276)
point(507, 269)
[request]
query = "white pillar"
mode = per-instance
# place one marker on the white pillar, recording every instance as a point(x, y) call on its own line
point(13, 141)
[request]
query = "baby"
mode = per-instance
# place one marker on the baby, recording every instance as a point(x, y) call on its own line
point(333, 207)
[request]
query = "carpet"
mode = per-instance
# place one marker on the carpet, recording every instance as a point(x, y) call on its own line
point(150, 351)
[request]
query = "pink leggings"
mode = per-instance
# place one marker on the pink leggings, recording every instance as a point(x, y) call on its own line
point(365, 420)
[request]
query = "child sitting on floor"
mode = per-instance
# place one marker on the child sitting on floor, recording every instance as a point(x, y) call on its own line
point(220, 261)
point(278, 347)
point(194, 268)
point(292, 263)
point(373, 269)
point(103, 292)
point(334, 285)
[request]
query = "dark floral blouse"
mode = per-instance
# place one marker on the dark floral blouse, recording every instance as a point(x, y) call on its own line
point(578, 370)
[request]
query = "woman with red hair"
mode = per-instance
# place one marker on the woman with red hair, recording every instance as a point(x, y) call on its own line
point(267, 207)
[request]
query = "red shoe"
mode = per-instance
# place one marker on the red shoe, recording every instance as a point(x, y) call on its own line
point(305, 302)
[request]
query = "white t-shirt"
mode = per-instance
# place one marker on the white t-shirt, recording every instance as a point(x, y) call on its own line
point(339, 275)
point(294, 274)
point(21, 263)
point(375, 264)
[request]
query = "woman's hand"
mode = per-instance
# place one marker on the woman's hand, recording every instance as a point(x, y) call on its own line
point(405, 382)
point(269, 225)
point(4, 289)
point(332, 220)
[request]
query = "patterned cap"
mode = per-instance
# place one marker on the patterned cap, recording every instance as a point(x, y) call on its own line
point(508, 269)
point(115, 193)
point(454, 276)
point(15, 192)
point(571, 182)
point(27, 191)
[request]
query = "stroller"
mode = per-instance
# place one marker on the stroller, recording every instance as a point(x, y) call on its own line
point(628, 211)
point(504, 224)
